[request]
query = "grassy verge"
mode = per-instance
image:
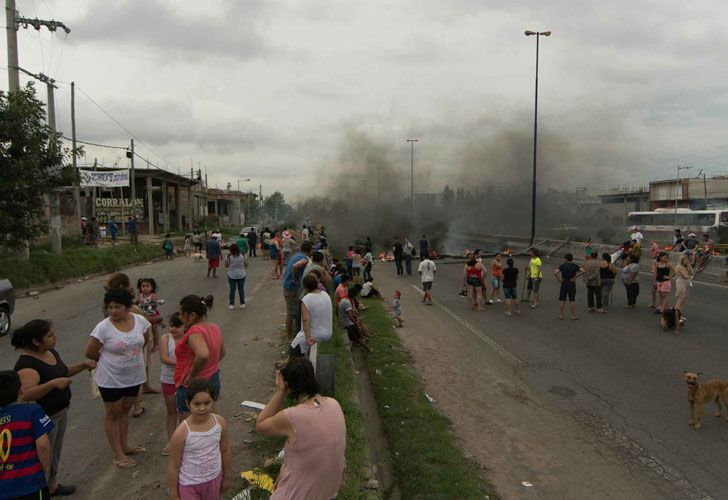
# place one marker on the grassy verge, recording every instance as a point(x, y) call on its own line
point(76, 260)
point(426, 461)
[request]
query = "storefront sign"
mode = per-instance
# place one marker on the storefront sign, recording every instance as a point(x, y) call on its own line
point(114, 178)
point(119, 208)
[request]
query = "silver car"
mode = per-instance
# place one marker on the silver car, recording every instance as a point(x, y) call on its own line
point(7, 305)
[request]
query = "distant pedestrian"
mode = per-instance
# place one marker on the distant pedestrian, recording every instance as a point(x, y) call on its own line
point(356, 263)
point(398, 252)
point(214, 252)
point(235, 262)
point(368, 245)
point(93, 231)
point(424, 248)
point(496, 277)
point(102, 232)
point(349, 260)
point(84, 230)
point(292, 286)
point(186, 246)
point(473, 274)
point(131, 229)
point(305, 234)
point(197, 241)
point(593, 281)
point(289, 246)
point(427, 270)
point(46, 379)
point(510, 286)
point(630, 279)
point(409, 252)
point(113, 230)
point(168, 246)
point(275, 253)
point(636, 235)
point(253, 241)
point(566, 274)
point(242, 243)
point(535, 276)
point(684, 274)
point(367, 265)
point(265, 243)
point(664, 271)
point(607, 273)
point(396, 307)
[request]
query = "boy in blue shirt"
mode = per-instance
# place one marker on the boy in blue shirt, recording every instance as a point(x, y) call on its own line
point(24, 445)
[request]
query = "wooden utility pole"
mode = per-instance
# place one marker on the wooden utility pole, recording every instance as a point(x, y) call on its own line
point(11, 28)
point(76, 177)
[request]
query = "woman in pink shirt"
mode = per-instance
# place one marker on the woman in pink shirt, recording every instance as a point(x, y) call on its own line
point(315, 431)
point(198, 352)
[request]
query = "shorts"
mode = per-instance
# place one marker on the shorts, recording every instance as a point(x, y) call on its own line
point(180, 394)
point(208, 489)
point(510, 293)
point(568, 289)
point(168, 389)
point(354, 333)
point(474, 281)
point(427, 285)
point(213, 263)
point(114, 394)
point(663, 286)
point(534, 284)
point(495, 282)
point(293, 303)
point(265, 246)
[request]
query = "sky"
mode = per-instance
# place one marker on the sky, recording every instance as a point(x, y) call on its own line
point(275, 91)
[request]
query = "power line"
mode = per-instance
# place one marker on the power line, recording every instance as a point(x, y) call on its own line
point(95, 144)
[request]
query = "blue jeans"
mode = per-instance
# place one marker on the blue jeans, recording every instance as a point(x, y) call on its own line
point(180, 395)
point(240, 284)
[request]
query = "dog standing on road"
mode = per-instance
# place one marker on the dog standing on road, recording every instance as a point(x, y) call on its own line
point(197, 256)
point(699, 394)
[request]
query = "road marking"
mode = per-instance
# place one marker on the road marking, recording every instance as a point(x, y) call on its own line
point(502, 351)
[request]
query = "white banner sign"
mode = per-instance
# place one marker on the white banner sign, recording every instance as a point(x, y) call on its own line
point(114, 178)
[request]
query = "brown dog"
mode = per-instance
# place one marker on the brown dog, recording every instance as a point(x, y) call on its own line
point(699, 394)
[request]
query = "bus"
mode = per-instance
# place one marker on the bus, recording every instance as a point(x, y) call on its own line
point(660, 224)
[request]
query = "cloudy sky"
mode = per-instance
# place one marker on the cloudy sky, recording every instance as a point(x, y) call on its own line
point(273, 91)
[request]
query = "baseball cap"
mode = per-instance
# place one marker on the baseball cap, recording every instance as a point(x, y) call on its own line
point(691, 234)
point(634, 228)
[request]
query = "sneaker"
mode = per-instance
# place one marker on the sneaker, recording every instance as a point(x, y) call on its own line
point(491, 302)
point(231, 307)
point(242, 306)
point(498, 300)
point(508, 313)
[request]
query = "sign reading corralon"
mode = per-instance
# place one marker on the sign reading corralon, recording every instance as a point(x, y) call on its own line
point(113, 178)
point(119, 208)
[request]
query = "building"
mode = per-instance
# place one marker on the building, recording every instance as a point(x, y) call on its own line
point(694, 193)
point(228, 207)
point(621, 200)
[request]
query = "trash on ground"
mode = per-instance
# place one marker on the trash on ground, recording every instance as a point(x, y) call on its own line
point(430, 398)
point(527, 484)
point(259, 479)
point(253, 404)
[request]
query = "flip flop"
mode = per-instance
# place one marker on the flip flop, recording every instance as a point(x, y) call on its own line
point(164, 452)
point(152, 390)
point(125, 464)
point(137, 450)
point(137, 415)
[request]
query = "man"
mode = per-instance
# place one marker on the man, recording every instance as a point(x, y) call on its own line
point(131, 229)
point(197, 241)
point(265, 243)
point(84, 231)
point(213, 255)
point(427, 270)
point(305, 234)
point(368, 245)
point(678, 237)
point(242, 243)
point(292, 286)
point(535, 276)
point(593, 282)
point(113, 230)
point(424, 248)
point(93, 231)
point(705, 252)
point(325, 252)
point(409, 250)
point(252, 241)
point(397, 250)
point(316, 262)
point(636, 235)
point(217, 235)
point(566, 274)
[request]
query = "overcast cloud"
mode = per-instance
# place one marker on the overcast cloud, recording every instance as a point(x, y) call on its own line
point(274, 90)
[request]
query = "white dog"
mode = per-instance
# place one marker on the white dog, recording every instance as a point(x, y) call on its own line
point(197, 256)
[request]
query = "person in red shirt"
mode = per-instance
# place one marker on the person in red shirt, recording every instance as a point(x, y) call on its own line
point(24, 446)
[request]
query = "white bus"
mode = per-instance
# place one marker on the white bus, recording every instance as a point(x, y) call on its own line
point(661, 223)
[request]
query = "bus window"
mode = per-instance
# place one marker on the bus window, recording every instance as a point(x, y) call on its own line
point(724, 218)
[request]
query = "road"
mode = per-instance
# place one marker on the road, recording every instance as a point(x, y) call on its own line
point(604, 396)
point(252, 341)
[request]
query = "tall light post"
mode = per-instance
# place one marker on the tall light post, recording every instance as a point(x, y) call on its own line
point(412, 179)
point(677, 188)
point(247, 199)
point(535, 137)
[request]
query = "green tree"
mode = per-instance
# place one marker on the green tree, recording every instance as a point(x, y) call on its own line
point(29, 166)
point(275, 206)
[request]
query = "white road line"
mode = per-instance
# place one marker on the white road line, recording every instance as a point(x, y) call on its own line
point(502, 351)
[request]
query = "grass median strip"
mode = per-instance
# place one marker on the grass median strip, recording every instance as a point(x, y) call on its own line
point(75, 261)
point(426, 461)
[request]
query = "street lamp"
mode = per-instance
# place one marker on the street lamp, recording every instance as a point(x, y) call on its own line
point(243, 180)
point(412, 179)
point(535, 137)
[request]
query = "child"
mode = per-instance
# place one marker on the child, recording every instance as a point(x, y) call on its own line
point(166, 375)
point(348, 260)
point(200, 461)
point(148, 303)
point(368, 264)
point(186, 246)
point(356, 263)
point(25, 452)
point(510, 286)
point(349, 320)
point(167, 246)
point(397, 308)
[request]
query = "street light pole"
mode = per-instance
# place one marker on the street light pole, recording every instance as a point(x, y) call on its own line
point(535, 137)
point(677, 187)
point(412, 180)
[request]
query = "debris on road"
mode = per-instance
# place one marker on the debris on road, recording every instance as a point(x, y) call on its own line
point(527, 484)
point(430, 398)
point(252, 404)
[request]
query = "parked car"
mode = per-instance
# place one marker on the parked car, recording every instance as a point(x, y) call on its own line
point(247, 229)
point(7, 306)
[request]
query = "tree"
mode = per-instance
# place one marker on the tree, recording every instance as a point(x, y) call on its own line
point(275, 206)
point(29, 166)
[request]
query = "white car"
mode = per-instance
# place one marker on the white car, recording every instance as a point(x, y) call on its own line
point(247, 229)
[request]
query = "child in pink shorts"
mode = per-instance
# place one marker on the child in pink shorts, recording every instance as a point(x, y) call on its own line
point(166, 375)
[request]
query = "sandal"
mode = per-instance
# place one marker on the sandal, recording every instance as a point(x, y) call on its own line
point(135, 414)
point(125, 464)
point(164, 452)
point(136, 450)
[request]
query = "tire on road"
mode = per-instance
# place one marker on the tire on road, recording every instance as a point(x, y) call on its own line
point(6, 323)
point(325, 374)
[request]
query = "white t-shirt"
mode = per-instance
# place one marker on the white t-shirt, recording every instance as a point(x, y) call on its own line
point(427, 268)
point(121, 363)
point(304, 234)
point(166, 373)
point(366, 289)
point(637, 236)
point(320, 312)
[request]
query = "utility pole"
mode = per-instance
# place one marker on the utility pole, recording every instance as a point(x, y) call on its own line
point(132, 176)
point(76, 178)
point(412, 180)
point(54, 196)
point(677, 188)
point(705, 188)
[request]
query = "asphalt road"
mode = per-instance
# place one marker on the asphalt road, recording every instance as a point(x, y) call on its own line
point(252, 342)
point(617, 374)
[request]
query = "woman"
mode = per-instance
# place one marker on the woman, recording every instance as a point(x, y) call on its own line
point(46, 380)
point(198, 352)
point(315, 432)
point(664, 271)
point(473, 273)
point(316, 317)
point(275, 254)
point(631, 281)
point(607, 272)
point(496, 278)
point(117, 345)
point(684, 274)
point(236, 264)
